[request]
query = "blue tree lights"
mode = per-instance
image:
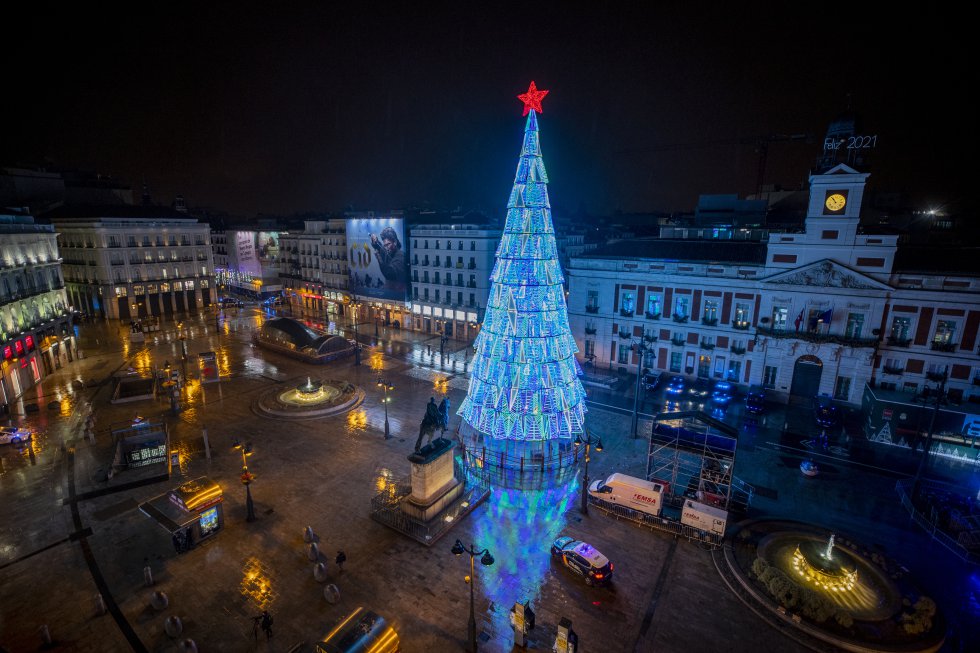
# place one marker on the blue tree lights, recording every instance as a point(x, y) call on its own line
point(524, 383)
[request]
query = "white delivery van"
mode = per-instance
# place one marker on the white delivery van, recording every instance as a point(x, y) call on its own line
point(630, 492)
point(704, 517)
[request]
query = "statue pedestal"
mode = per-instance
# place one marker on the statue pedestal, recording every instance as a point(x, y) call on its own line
point(434, 484)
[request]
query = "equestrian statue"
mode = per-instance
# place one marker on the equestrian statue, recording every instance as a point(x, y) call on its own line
point(436, 417)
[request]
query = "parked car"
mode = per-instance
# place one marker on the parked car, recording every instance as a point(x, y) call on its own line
point(583, 559)
point(13, 435)
point(700, 389)
point(755, 401)
point(826, 414)
point(722, 393)
point(676, 385)
point(650, 380)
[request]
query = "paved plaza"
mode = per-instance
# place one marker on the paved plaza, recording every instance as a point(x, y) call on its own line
point(68, 533)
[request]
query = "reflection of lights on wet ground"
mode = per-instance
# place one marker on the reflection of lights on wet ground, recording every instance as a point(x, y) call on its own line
point(519, 527)
point(440, 385)
point(385, 482)
point(376, 361)
point(357, 420)
point(256, 584)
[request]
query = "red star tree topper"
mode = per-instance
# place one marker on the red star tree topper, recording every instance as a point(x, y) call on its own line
point(532, 99)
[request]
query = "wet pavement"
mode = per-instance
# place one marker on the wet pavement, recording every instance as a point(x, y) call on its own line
point(68, 533)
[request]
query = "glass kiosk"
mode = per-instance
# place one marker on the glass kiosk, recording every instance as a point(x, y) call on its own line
point(190, 513)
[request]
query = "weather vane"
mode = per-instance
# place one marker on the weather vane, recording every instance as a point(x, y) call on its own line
point(532, 99)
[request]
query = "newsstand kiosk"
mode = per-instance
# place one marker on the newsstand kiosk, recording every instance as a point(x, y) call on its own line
point(190, 513)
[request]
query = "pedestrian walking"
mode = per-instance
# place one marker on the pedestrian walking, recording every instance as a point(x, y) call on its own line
point(264, 621)
point(341, 559)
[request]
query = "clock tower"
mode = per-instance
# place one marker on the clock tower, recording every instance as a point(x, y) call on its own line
point(835, 202)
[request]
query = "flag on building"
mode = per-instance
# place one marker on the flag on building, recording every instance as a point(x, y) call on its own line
point(826, 316)
point(799, 320)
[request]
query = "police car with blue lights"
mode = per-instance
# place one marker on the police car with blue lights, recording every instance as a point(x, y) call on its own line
point(584, 559)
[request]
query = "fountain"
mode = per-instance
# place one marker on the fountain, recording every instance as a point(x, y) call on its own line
point(824, 569)
point(309, 398)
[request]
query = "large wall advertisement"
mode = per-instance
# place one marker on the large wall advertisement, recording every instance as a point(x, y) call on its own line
point(378, 265)
point(253, 248)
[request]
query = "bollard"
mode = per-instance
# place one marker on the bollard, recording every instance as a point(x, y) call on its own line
point(320, 572)
point(159, 600)
point(308, 534)
point(331, 593)
point(313, 552)
point(100, 608)
point(187, 646)
point(45, 634)
point(173, 627)
point(147, 574)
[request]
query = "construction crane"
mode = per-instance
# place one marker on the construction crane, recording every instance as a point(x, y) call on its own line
point(761, 144)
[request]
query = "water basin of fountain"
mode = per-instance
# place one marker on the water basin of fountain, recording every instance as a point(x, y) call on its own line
point(308, 399)
point(824, 567)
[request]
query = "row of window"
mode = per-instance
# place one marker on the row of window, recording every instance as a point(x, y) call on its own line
point(436, 278)
point(152, 288)
point(449, 244)
point(132, 241)
point(447, 297)
point(449, 261)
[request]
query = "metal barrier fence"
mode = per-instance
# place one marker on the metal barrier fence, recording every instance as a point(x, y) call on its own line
point(708, 540)
point(903, 487)
point(528, 472)
point(386, 506)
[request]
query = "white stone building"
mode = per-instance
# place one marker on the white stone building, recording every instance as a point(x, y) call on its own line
point(450, 268)
point(127, 262)
point(36, 335)
point(823, 311)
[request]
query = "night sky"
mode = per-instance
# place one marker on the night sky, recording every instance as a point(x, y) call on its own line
point(282, 109)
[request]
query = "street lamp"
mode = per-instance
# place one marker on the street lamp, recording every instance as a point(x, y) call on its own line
point(355, 306)
point(640, 347)
point(589, 441)
point(387, 387)
point(377, 319)
point(485, 559)
point(442, 338)
point(247, 479)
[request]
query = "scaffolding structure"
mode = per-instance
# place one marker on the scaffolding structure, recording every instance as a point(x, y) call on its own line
point(693, 455)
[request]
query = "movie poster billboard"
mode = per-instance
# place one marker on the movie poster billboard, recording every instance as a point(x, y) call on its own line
point(378, 263)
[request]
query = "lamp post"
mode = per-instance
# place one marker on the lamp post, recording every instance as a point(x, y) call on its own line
point(486, 559)
point(940, 400)
point(387, 387)
point(247, 479)
point(355, 307)
point(377, 318)
point(640, 347)
point(589, 441)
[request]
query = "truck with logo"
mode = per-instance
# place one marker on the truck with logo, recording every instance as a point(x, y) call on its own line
point(630, 492)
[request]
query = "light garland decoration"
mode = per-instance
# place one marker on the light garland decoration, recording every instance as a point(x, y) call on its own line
point(524, 383)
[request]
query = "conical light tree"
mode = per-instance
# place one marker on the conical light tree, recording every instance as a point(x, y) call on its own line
point(524, 383)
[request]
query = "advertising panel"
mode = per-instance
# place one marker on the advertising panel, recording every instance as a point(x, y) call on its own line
point(248, 262)
point(378, 264)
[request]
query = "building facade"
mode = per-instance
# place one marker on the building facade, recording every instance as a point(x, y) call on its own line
point(450, 269)
point(36, 334)
point(313, 268)
point(129, 262)
point(251, 259)
point(824, 310)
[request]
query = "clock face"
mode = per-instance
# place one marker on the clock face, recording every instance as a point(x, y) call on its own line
point(835, 202)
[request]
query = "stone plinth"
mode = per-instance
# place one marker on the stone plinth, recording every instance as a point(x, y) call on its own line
point(434, 485)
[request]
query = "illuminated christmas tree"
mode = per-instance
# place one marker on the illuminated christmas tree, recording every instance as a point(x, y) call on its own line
point(524, 384)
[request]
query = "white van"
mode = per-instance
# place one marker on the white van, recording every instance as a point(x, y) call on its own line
point(631, 492)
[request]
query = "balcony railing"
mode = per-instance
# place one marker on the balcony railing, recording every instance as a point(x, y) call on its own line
point(737, 350)
point(709, 321)
point(896, 371)
point(810, 336)
point(741, 326)
point(677, 342)
point(899, 342)
point(943, 346)
point(680, 318)
point(626, 312)
point(590, 331)
point(591, 309)
point(652, 316)
point(472, 266)
point(625, 335)
point(649, 338)
point(707, 345)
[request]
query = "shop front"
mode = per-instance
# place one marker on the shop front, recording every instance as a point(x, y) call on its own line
point(190, 513)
